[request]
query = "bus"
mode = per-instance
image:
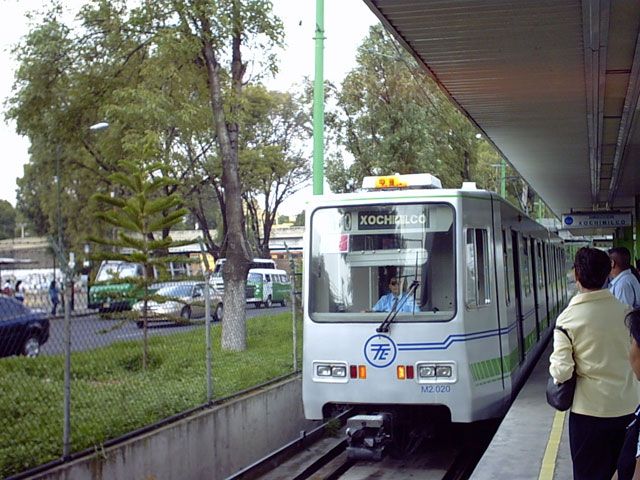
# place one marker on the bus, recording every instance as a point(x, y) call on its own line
point(116, 288)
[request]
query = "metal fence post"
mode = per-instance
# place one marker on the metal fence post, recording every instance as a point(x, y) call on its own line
point(292, 265)
point(207, 321)
point(207, 326)
point(66, 429)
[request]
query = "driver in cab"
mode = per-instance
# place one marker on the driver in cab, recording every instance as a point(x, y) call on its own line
point(388, 301)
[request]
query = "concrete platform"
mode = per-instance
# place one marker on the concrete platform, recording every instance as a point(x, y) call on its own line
point(532, 441)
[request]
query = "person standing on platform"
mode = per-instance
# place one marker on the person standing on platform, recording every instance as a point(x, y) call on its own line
point(624, 285)
point(597, 349)
point(629, 460)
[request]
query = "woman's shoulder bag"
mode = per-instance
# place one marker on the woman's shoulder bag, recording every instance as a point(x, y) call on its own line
point(560, 396)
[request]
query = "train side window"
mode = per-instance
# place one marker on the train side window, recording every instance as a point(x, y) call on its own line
point(471, 268)
point(478, 279)
point(484, 277)
point(539, 266)
point(526, 273)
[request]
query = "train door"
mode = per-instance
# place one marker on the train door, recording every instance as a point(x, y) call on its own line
point(547, 296)
point(536, 293)
point(518, 295)
point(565, 293)
point(528, 288)
point(558, 274)
point(541, 282)
point(554, 280)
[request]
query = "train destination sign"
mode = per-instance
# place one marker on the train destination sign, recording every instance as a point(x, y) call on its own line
point(596, 220)
point(376, 220)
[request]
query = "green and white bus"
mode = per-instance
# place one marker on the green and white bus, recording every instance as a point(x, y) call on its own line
point(117, 288)
point(268, 286)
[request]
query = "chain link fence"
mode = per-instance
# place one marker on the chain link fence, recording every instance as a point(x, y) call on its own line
point(81, 367)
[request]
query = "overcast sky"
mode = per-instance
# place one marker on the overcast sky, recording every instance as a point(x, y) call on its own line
point(346, 24)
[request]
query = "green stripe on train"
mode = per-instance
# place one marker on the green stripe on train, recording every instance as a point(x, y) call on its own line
point(489, 370)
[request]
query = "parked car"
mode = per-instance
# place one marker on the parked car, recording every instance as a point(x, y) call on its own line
point(217, 307)
point(22, 330)
point(175, 302)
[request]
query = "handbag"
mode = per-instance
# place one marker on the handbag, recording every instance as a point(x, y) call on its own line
point(560, 396)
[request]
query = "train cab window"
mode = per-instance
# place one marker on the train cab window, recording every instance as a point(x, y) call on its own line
point(355, 249)
point(478, 278)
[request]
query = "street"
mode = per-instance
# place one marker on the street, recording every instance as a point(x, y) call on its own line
point(89, 332)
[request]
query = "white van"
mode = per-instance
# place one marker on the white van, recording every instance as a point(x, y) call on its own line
point(268, 286)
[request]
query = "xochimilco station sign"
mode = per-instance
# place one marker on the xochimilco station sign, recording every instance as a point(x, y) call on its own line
point(596, 220)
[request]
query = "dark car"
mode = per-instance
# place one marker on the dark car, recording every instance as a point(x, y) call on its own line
point(22, 330)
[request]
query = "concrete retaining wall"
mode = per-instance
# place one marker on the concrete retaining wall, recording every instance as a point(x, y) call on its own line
point(211, 445)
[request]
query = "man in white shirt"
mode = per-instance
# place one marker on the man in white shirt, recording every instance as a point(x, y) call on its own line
point(623, 285)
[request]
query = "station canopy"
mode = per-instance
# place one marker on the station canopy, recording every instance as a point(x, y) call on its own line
point(552, 84)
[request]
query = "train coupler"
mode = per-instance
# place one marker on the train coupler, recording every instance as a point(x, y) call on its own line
point(368, 436)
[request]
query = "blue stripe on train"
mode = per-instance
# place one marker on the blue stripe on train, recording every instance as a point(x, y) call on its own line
point(458, 337)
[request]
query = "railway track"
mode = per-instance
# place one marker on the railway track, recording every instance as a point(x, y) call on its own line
point(447, 457)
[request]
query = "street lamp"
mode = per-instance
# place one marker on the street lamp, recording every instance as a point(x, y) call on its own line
point(99, 126)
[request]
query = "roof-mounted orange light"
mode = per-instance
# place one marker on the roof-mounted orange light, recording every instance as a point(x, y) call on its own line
point(414, 180)
point(390, 182)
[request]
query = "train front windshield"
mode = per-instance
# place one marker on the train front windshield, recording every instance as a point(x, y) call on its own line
point(365, 260)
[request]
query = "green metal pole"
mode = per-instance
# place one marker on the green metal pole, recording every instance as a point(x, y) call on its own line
point(318, 103)
point(503, 179)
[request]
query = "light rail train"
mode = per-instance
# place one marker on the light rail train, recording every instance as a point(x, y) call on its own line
point(481, 285)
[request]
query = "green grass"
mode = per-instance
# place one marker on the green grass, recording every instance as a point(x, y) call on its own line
point(111, 394)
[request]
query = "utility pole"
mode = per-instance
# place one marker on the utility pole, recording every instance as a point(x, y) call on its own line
point(318, 103)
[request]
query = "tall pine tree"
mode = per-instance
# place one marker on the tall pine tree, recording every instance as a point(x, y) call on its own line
point(138, 210)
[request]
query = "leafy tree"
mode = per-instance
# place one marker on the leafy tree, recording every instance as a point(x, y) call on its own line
point(272, 163)
point(60, 85)
point(170, 77)
point(219, 30)
point(138, 212)
point(7, 220)
point(392, 118)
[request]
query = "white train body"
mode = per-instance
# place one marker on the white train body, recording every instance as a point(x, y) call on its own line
point(491, 282)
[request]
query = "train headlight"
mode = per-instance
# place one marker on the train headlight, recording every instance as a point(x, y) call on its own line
point(437, 372)
point(427, 371)
point(339, 371)
point(331, 372)
point(444, 371)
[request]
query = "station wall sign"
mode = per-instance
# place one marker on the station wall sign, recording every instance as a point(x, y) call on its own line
point(596, 220)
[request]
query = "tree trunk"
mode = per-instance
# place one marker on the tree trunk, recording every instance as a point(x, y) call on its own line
point(235, 242)
point(234, 315)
